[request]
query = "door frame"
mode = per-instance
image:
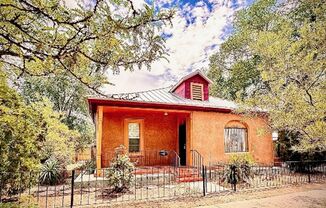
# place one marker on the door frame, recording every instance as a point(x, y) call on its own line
point(184, 160)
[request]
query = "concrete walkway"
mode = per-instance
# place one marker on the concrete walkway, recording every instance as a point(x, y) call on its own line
point(309, 199)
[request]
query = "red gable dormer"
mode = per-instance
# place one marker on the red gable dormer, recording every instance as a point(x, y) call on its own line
point(193, 86)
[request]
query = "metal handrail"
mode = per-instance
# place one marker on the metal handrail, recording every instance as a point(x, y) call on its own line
point(177, 159)
point(197, 160)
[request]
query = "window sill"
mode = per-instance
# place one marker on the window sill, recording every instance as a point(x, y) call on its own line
point(135, 154)
point(236, 152)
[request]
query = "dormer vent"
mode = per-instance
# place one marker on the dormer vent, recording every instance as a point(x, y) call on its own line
point(197, 91)
point(193, 86)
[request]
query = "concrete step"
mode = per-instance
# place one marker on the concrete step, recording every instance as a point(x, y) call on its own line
point(187, 175)
point(189, 179)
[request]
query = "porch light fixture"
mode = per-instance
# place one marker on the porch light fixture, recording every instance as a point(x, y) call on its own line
point(166, 113)
point(275, 135)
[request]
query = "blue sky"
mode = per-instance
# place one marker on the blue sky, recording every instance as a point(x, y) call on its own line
point(199, 27)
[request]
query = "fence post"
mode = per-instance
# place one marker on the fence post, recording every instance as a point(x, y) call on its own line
point(309, 169)
point(204, 180)
point(72, 188)
point(1, 187)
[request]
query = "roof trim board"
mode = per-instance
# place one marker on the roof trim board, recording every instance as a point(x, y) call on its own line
point(197, 72)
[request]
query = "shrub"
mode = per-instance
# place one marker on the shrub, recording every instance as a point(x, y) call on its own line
point(51, 172)
point(241, 158)
point(16, 205)
point(89, 165)
point(10, 205)
point(24, 201)
point(238, 168)
point(120, 174)
point(16, 182)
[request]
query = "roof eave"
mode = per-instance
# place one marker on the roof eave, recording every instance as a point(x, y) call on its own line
point(128, 103)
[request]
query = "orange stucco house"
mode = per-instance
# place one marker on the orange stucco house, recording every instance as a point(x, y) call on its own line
point(178, 125)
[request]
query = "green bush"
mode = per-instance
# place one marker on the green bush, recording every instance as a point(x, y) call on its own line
point(24, 201)
point(16, 205)
point(238, 168)
point(89, 165)
point(120, 174)
point(10, 205)
point(30, 133)
point(51, 172)
point(241, 158)
point(16, 182)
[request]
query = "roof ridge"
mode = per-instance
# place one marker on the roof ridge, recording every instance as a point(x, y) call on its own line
point(150, 90)
point(192, 74)
point(222, 98)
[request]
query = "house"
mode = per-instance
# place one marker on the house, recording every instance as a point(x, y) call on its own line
point(178, 125)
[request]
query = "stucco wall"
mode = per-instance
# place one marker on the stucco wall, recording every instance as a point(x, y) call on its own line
point(208, 136)
point(205, 132)
point(159, 131)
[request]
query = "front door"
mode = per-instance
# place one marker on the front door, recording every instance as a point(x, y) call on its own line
point(182, 143)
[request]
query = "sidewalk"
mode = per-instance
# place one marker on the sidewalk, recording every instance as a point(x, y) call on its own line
point(303, 196)
point(312, 198)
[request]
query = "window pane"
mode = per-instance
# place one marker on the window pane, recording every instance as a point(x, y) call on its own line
point(133, 130)
point(134, 137)
point(235, 140)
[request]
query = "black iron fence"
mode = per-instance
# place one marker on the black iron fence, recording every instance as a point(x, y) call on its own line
point(226, 177)
point(146, 157)
point(90, 187)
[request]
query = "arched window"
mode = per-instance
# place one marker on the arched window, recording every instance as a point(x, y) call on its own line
point(235, 137)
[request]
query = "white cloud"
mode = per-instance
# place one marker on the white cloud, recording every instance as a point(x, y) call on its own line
point(190, 47)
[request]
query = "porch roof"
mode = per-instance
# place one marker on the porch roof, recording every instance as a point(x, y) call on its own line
point(160, 98)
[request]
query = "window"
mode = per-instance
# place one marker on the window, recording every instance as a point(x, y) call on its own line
point(133, 134)
point(235, 139)
point(197, 91)
point(134, 137)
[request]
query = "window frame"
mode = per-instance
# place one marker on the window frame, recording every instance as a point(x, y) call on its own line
point(202, 90)
point(141, 134)
point(246, 140)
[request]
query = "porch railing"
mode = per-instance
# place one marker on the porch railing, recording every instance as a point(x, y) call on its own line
point(147, 158)
point(197, 160)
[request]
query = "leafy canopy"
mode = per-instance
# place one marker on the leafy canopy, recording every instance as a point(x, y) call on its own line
point(275, 60)
point(51, 56)
point(39, 37)
point(53, 53)
point(67, 97)
point(30, 133)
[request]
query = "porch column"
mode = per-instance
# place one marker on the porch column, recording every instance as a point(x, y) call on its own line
point(189, 139)
point(99, 121)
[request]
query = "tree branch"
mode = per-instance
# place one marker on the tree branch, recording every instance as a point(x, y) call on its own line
point(80, 79)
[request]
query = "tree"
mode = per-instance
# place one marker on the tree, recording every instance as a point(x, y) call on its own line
point(287, 40)
point(67, 97)
point(39, 38)
point(50, 50)
point(29, 134)
point(234, 68)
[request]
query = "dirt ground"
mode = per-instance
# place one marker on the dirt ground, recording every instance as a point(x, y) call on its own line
point(310, 196)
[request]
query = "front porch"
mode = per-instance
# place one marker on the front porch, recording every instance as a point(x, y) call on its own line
point(152, 137)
